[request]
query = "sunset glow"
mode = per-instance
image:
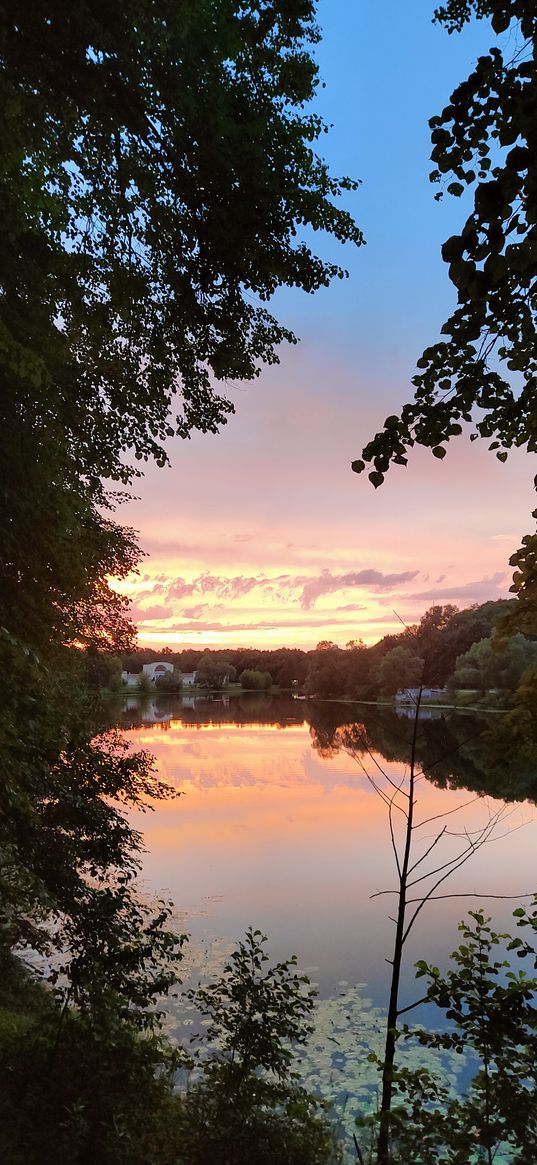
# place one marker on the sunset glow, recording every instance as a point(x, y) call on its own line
point(268, 829)
point(261, 535)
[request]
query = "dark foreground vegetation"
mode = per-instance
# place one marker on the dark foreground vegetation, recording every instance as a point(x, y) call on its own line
point(126, 296)
point(138, 253)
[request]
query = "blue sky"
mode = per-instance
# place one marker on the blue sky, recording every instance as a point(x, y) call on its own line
point(272, 498)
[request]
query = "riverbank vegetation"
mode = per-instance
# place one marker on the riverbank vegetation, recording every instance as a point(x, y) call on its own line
point(461, 650)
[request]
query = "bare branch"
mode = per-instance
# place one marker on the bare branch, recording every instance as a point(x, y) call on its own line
point(447, 812)
point(468, 854)
point(472, 846)
point(427, 851)
point(411, 1006)
point(468, 894)
point(394, 846)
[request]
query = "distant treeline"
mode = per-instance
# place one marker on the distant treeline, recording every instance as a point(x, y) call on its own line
point(287, 666)
point(449, 647)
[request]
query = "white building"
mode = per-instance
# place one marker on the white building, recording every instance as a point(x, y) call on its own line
point(410, 695)
point(154, 671)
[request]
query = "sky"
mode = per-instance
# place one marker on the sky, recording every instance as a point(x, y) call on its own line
point(261, 535)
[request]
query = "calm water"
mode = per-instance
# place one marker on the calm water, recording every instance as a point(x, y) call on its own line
point(279, 825)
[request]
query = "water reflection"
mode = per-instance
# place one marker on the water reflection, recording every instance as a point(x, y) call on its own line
point(456, 749)
point(248, 708)
point(278, 824)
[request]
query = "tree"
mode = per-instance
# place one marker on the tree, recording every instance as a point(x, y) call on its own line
point(483, 141)
point(488, 665)
point(256, 680)
point(158, 162)
point(213, 671)
point(492, 1011)
point(422, 867)
point(459, 632)
point(171, 682)
point(400, 668)
point(143, 685)
point(249, 1106)
point(327, 671)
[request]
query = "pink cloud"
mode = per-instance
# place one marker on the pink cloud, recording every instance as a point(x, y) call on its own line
point(479, 591)
point(327, 583)
point(139, 614)
point(259, 625)
point(179, 589)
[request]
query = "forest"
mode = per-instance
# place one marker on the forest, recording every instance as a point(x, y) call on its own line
point(457, 649)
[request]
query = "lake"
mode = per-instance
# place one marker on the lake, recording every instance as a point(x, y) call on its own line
point(279, 825)
point(282, 824)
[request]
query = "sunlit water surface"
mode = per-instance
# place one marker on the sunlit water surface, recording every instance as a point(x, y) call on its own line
point(266, 831)
point(273, 830)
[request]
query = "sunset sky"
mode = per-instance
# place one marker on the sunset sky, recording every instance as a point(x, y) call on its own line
point(262, 535)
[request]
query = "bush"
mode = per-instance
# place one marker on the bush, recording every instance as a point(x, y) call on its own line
point(171, 682)
point(248, 1108)
point(255, 680)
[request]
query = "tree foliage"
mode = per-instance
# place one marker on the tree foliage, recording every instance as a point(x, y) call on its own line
point(484, 372)
point(428, 651)
point(400, 668)
point(490, 665)
point(251, 679)
point(157, 165)
point(249, 1106)
point(213, 671)
point(157, 162)
point(491, 1009)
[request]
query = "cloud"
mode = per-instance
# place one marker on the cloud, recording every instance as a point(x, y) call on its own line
point(195, 612)
point(234, 588)
point(230, 588)
point(204, 584)
point(264, 625)
point(481, 590)
point(179, 589)
point(139, 614)
point(327, 583)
